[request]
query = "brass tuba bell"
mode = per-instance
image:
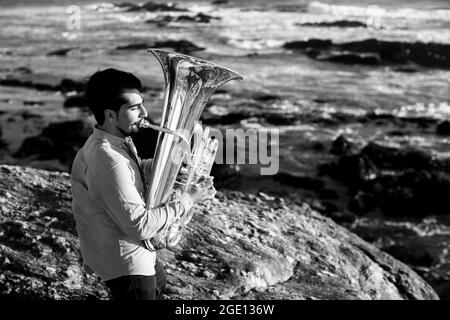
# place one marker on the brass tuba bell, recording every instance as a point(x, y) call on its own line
point(189, 84)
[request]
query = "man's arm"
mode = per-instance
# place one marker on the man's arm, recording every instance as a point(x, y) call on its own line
point(115, 188)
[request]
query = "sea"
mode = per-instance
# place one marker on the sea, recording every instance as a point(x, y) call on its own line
point(309, 101)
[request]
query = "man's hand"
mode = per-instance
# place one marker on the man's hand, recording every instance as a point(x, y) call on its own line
point(201, 189)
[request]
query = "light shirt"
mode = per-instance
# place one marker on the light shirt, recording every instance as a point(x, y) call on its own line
point(109, 210)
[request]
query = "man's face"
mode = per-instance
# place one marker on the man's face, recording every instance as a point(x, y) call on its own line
point(130, 113)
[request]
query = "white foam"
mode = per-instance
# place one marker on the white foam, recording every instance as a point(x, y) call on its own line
point(407, 13)
point(104, 7)
point(431, 110)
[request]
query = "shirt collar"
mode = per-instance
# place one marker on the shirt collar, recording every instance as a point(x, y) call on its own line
point(115, 140)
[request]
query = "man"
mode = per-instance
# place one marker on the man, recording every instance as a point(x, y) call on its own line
point(108, 187)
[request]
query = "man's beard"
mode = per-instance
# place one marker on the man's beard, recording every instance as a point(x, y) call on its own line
point(125, 133)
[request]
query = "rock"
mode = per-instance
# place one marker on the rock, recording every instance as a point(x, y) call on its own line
point(308, 44)
point(75, 101)
point(265, 97)
point(411, 254)
point(33, 103)
point(69, 85)
point(208, 274)
point(376, 52)
point(407, 69)
point(60, 140)
point(135, 46)
point(40, 145)
point(226, 176)
point(153, 6)
point(443, 128)
point(362, 202)
point(265, 196)
point(341, 146)
point(297, 181)
point(12, 82)
point(352, 169)
point(398, 181)
point(415, 193)
point(182, 46)
point(338, 23)
point(228, 251)
point(209, 118)
point(60, 52)
point(341, 217)
point(199, 18)
point(280, 119)
point(149, 7)
point(352, 58)
point(64, 86)
point(418, 242)
point(392, 157)
point(161, 21)
point(23, 70)
point(2, 142)
point(426, 54)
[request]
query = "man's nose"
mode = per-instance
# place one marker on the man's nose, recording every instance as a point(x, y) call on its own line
point(144, 113)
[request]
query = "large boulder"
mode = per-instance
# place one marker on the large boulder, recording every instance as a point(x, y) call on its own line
point(59, 140)
point(375, 52)
point(235, 247)
point(182, 46)
point(443, 128)
point(399, 181)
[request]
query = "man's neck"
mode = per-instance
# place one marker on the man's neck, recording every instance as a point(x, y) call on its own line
point(111, 130)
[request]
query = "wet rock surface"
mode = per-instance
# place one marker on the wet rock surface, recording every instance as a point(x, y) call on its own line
point(237, 246)
point(27, 80)
point(338, 23)
point(198, 18)
point(375, 52)
point(149, 7)
point(398, 181)
point(443, 128)
point(182, 46)
point(422, 244)
point(39, 252)
point(60, 140)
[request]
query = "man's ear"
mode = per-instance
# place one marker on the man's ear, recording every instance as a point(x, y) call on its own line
point(110, 114)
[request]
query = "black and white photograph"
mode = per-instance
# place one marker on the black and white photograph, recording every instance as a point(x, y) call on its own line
point(242, 152)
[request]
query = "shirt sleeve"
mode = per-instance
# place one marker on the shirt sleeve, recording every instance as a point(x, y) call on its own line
point(114, 187)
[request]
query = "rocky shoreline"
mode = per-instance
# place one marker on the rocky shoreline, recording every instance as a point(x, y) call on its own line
point(239, 246)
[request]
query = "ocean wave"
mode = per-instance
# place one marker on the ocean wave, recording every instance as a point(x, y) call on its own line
point(255, 44)
point(337, 23)
point(429, 110)
point(373, 10)
point(104, 7)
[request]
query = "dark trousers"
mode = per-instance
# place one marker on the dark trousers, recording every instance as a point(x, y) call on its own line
point(137, 287)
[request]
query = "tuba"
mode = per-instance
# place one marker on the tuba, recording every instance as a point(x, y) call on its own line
point(189, 84)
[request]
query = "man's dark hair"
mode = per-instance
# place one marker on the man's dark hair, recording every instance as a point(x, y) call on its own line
point(104, 88)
